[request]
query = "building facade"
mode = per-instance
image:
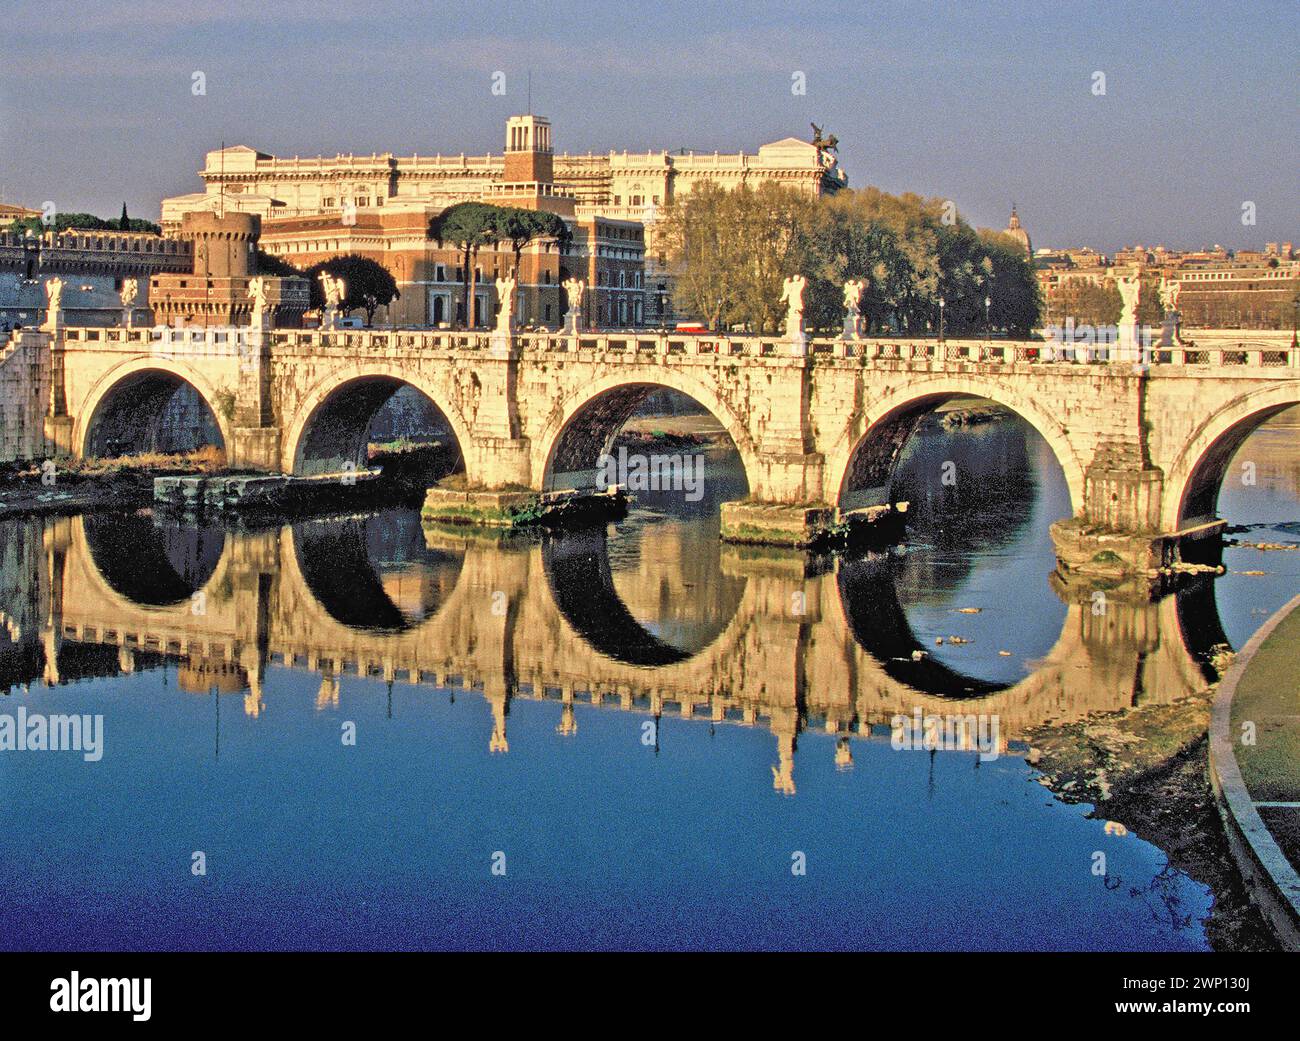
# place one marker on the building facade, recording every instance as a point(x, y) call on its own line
point(1219, 288)
point(379, 207)
point(92, 265)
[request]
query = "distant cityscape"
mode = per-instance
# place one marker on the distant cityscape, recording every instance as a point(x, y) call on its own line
point(303, 211)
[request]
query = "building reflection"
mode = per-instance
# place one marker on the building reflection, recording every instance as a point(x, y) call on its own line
point(780, 640)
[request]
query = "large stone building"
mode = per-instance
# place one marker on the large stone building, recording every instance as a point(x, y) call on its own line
point(379, 206)
point(92, 265)
point(626, 185)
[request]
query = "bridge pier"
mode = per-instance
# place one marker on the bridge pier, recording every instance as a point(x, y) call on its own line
point(1120, 536)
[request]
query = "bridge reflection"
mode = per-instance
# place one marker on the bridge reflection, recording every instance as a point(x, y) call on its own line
point(785, 640)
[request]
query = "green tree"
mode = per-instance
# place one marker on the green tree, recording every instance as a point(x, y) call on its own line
point(367, 284)
point(1087, 303)
point(82, 222)
point(468, 226)
point(519, 227)
point(270, 264)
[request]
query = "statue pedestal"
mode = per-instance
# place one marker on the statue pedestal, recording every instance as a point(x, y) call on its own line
point(853, 324)
point(798, 343)
point(571, 324)
point(1169, 329)
point(1127, 345)
point(54, 321)
point(501, 343)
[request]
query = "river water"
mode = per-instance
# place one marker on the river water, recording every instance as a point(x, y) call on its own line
point(357, 733)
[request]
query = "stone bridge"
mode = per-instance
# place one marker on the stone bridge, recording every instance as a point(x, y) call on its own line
point(1143, 443)
point(794, 647)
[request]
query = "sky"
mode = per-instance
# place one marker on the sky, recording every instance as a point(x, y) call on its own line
point(983, 104)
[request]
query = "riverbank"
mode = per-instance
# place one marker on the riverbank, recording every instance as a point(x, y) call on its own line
point(1147, 770)
point(86, 486)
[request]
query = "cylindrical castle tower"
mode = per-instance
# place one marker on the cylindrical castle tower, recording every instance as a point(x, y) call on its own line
point(224, 246)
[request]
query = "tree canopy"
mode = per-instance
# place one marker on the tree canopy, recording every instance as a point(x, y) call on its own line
point(732, 250)
point(367, 284)
point(84, 222)
point(469, 226)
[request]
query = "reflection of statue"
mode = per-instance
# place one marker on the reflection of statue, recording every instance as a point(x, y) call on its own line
point(505, 304)
point(1169, 290)
point(54, 303)
point(261, 306)
point(574, 288)
point(792, 297)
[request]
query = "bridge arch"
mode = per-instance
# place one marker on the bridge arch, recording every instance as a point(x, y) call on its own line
point(583, 426)
point(870, 449)
point(329, 425)
point(127, 405)
point(1193, 481)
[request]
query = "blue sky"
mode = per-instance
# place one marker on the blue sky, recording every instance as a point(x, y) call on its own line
point(982, 104)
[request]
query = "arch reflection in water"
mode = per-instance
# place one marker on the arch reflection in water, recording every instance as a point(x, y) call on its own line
point(578, 571)
point(375, 573)
point(150, 563)
point(824, 665)
point(869, 589)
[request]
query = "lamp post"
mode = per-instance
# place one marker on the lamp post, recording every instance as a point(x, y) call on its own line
point(988, 327)
point(942, 304)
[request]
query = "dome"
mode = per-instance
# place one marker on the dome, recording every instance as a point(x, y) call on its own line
point(1018, 233)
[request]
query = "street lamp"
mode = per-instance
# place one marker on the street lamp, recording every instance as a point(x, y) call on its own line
point(988, 327)
point(942, 304)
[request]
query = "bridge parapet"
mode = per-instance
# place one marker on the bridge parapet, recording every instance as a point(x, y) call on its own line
point(1215, 349)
